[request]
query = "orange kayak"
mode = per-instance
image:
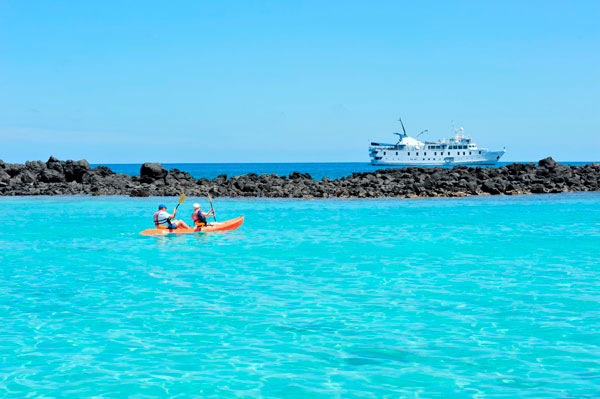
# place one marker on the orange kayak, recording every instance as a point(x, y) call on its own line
point(231, 224)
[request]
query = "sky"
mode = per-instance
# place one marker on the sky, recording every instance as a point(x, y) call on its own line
point(295, 81)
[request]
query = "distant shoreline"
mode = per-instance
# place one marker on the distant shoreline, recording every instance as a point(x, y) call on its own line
point(318, 170)
point(56, 177)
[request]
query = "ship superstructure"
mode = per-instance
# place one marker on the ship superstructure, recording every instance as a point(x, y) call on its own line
point(410, 151)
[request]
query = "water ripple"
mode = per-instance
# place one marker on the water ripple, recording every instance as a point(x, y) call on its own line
point(476, 297)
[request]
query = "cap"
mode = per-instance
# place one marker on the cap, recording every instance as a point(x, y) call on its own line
point(162, 206)
point(196, 205)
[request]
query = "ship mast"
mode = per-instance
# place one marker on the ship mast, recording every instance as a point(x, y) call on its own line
point(403, 129)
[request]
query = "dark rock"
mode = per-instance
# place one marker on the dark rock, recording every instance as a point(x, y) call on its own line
point(547, 162)
point(181, 176)
point(221, 179)
point(35, 166)
point(139, 192)
point(152, 171)
point(51, 176)
point(55, 164)
point(13, 169)
point(538, 189)
point(4, 177)
point(489, 186)
point(74, 170)
point(27, 177)
point(117, 181)
point(298, 175)
point(102, 171)
point(92, 179)
point(76, 177)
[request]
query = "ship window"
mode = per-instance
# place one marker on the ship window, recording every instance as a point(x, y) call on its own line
point(384, 153)
point(480, 152)
point(435, 153)
point(417, 154)
point(457, 152)
point(464, 153)
point(424, 153)
point(448, 152)
point(396, 152)
point(469, 152)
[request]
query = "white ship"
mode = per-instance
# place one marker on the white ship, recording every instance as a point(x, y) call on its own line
point(409, 151)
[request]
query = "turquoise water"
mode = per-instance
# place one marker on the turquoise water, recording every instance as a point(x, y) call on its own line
point(476, 297)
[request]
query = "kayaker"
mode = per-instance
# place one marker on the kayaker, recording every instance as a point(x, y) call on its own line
point(162, 219)
point(199, 217)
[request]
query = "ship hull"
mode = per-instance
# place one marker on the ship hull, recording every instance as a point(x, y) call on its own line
point(489, 158)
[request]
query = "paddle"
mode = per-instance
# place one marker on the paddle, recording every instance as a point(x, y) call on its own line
point(181, 199)
point(211, 207)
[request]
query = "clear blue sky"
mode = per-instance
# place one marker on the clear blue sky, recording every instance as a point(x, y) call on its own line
point(277, 81)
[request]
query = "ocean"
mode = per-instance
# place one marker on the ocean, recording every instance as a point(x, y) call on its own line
point(452, 298)
point(318, 170)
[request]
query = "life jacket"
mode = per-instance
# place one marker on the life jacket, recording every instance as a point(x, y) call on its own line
point(198, 218)
point(160, 223)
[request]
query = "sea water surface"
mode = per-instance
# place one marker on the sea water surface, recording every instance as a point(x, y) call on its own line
point(474, 297)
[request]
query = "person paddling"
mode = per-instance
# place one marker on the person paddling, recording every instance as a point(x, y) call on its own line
point(162, 219)
point(199, 217)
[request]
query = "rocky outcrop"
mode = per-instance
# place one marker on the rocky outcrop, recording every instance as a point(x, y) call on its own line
point(152, 172)
point(56, 177)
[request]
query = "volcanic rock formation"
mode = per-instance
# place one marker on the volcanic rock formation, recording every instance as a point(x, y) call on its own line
point(56, 177)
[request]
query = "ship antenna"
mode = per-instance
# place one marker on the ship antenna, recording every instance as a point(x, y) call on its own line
point(424, 131)
point(404, 130)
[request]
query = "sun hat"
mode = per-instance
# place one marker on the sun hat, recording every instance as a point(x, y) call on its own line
point(196, 205)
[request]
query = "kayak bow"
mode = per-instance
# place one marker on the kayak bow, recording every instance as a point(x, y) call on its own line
point(231, 224)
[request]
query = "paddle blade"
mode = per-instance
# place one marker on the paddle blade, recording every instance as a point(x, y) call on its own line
point(211, 206)
point(181, 199)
